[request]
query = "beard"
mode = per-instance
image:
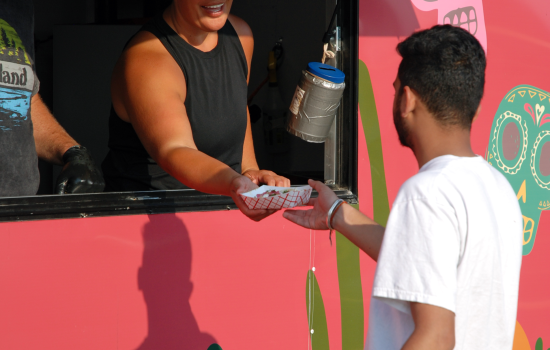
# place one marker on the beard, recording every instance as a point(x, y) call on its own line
point(400, 127)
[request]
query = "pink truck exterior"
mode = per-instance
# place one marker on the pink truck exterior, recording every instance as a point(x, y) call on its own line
point(187, 280)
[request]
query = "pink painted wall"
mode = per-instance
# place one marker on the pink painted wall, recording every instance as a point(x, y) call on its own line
point(517, 34)
point(188, 280)
point(174, 281)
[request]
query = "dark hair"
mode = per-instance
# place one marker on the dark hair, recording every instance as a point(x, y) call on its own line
point(445, 65)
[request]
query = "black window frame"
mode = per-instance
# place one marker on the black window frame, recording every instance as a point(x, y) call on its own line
point(156, 202)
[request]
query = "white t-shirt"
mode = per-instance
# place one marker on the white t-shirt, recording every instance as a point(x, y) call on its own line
point(454, 239)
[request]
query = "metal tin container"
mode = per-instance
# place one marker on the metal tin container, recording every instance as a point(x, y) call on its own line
point(315, 102)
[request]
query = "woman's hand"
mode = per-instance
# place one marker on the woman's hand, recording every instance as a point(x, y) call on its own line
point(242, 184)
point(314, 218)
point(266, 177)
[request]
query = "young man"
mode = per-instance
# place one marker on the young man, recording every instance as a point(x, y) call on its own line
point(449, 258)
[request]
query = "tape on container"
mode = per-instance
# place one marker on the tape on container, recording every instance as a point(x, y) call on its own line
point(314, 106)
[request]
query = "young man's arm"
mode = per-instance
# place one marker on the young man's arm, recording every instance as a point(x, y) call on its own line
point(434, 328)
point(357, 227)
point(434, 325)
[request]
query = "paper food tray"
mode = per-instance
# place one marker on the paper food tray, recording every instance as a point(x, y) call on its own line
point(296, 196)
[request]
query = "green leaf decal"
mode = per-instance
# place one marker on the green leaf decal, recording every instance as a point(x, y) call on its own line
point(371, 128)
point(351, 294)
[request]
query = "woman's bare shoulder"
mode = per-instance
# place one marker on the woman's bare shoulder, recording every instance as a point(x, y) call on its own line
point(146, 56)
point(144, 47)
point(241, 27)
point(145, 71)
point(245, 36)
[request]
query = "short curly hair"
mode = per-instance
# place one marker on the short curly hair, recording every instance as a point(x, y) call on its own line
point(445, 65)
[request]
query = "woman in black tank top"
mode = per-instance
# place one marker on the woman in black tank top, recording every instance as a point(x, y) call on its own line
point(179, 116)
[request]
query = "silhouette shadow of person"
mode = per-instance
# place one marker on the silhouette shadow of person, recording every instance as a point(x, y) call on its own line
point(164, 279)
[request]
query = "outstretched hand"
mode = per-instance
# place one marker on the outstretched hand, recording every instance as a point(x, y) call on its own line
point(243, 184)
point(314, 218)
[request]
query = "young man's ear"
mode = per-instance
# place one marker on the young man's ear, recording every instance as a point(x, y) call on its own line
point(408, 102)
point(477, 113)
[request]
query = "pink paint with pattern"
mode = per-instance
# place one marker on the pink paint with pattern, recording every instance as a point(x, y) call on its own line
point(467, 14)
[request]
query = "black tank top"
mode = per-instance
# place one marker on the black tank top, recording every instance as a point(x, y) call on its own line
point(215, 104)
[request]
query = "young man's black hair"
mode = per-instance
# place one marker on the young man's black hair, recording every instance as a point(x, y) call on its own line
point(445, 65)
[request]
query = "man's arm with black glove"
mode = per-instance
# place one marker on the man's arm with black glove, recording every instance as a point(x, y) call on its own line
point(55, 145)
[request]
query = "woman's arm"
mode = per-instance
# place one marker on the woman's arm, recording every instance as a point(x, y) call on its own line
point(249, 165)
point(148, 90)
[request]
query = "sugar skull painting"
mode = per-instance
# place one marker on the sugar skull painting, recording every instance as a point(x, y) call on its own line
point(467, 14)
point(519, 147)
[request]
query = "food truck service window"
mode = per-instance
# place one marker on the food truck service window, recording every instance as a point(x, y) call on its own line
point(288, 33)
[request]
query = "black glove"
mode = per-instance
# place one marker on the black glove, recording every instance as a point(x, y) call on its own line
point(79, 174)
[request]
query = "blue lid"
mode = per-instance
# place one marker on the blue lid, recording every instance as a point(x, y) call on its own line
point(326, 72)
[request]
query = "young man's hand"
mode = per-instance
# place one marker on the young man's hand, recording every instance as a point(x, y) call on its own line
point(314, 218)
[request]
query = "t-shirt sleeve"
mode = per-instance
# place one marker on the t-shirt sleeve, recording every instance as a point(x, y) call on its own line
point(36, 87)
point(419, 256)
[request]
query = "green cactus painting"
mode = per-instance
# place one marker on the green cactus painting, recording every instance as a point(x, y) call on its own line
point(538, 345)
point(519, 147)
point(347, 254)
point(371, 128)
point(316, 317)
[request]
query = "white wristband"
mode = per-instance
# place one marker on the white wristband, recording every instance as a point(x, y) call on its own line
point(331, 212)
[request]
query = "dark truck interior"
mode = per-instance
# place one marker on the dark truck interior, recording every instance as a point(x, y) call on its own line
point(77, 44)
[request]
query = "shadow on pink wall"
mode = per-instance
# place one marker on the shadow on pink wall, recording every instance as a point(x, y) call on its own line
point(164, 279)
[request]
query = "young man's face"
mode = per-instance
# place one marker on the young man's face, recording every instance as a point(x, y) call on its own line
point(398, 120)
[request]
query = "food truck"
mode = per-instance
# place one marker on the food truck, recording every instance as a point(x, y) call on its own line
point(186, 270)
